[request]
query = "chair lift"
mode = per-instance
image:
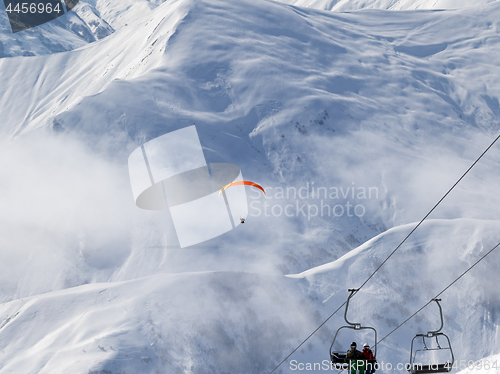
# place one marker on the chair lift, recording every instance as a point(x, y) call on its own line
point(431, 368)
point(339, 358)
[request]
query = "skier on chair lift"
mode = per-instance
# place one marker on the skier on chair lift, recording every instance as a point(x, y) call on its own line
point(356, 359)
point(368, 354)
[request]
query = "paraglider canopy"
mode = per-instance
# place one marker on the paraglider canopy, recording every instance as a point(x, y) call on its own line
point(242, 183)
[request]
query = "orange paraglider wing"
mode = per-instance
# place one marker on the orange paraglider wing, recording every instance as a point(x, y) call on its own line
point(242, 183)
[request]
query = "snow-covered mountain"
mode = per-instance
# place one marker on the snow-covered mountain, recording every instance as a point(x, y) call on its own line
point(238, 322)
point(73, 30)
point(332, 112)
point(89, 21)
point(353, 5)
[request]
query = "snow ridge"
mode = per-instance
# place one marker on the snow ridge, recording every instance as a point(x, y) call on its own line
point(306, 101)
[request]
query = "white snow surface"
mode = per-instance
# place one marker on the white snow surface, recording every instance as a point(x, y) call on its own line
point(488, 365)
point(397, 103)
point(354, 5)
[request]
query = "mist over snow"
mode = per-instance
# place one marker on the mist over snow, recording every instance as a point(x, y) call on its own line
point(355, 122)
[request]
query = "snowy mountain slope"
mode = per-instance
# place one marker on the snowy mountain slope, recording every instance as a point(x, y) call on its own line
point(88, 22)
point(374, 113)
point(120, 13)
point(353, 5)
point(73, 30)
point(488, 365)
point(436, 254)
point(398, 102)
point(229, 322)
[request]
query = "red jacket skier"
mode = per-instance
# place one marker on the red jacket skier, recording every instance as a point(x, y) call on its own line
point(368, 355)
point(367, 352)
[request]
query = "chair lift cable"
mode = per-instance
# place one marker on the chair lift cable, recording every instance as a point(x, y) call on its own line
point(306, 339)
point(435, 297)
point(394, 251)
point(428, 214)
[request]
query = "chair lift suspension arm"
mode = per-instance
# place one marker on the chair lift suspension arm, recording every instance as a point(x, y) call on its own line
point(353, 292)
point(431, 333)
